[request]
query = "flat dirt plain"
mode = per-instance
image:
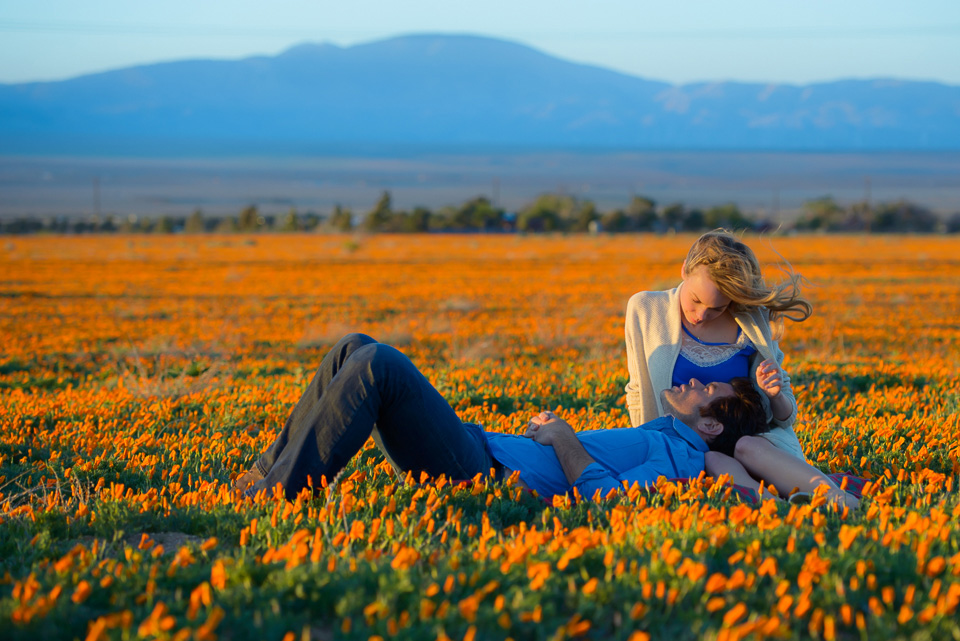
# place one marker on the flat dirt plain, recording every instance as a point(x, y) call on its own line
point(138, 374)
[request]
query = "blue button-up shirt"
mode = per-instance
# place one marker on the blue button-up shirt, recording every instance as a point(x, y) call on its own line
point(663, 447)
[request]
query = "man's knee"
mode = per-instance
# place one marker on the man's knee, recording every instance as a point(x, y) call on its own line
point(750, 448)
point(354, 341)
point(378, 355)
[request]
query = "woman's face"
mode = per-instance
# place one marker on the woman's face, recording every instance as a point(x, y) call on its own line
point(700, 300)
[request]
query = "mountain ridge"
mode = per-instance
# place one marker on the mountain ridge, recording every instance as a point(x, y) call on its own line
point(457, 90)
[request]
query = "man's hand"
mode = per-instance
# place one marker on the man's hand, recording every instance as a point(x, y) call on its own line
point(546, 428)
point(769, 378)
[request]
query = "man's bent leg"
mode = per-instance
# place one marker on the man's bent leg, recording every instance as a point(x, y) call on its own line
point(421, 432)
point(376, 385)
point(329, 367)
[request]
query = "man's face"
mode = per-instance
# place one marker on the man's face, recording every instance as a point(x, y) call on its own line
point(685, 402)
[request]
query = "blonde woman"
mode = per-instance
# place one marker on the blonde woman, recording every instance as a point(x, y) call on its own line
point(722, 322)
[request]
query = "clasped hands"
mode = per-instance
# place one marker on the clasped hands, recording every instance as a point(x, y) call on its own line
point(546, 427)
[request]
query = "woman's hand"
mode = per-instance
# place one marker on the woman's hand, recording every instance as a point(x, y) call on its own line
point(769, 378)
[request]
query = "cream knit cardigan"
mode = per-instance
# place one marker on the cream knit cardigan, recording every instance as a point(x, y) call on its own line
point(653, 343)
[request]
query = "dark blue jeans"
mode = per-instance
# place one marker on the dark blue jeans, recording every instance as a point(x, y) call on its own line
point(364, 388)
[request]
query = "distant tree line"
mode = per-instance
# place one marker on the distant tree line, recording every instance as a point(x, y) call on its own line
point(547, 213)
point(825, 214)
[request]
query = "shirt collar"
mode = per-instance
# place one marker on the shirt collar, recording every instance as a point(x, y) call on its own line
point(685, 432)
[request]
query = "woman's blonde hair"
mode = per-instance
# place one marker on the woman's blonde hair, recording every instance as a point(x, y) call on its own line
point(735, 270)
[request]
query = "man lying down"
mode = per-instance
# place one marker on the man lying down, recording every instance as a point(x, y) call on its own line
point(364, 388)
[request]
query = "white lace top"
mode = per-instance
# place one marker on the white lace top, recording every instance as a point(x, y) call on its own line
point(712, 362)
point(710, 354)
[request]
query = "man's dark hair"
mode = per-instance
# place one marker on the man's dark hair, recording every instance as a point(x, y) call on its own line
point(741, 415)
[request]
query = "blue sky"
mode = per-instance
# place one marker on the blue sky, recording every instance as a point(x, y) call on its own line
point(681, 41)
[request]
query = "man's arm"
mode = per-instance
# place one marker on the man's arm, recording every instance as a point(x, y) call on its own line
point(581, 470)
point(547, 429)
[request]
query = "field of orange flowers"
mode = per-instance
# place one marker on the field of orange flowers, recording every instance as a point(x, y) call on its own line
point(139, 374)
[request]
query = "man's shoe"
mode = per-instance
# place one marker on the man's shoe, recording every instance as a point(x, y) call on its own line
point(247, 479)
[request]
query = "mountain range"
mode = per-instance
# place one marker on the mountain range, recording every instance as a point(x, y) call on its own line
point(457, 91)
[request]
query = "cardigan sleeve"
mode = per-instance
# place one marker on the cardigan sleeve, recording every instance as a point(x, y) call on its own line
point(785, 390)
point(772, 351)
point(638, 388)
point(781, 432)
